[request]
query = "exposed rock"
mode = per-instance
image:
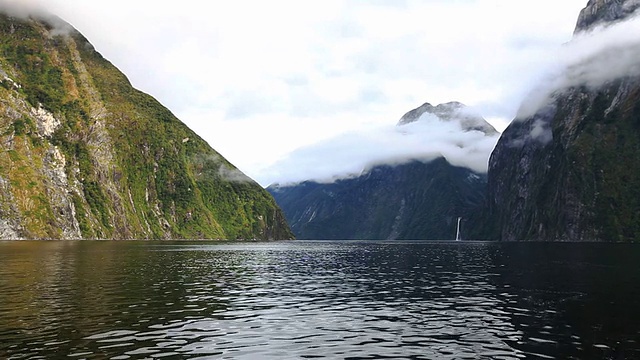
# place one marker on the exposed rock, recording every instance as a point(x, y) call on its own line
point(9, 216)
point(603, 12)
point(85, 155)
point(47, 123)
point(60, 192)
point(451, 111)
point(570, 171)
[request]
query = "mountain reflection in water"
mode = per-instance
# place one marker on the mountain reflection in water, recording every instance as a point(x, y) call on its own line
point(418, 300)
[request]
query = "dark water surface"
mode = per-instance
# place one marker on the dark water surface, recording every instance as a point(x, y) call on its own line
point(366, 300)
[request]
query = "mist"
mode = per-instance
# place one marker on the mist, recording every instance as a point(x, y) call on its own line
point(352, 154)
point(23, 9)
point(20, 8)
point(214, 167)
point(338, 70)
point(591, 59)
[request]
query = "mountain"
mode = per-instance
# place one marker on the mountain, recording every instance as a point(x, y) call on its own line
point(410, 200)
point(85, 155)
point(571, 171)
point(451, 111)
point(603, 12)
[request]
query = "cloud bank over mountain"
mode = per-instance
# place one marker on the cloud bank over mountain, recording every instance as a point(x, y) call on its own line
point(248, 75)
point(353, 153)
point(592, 59)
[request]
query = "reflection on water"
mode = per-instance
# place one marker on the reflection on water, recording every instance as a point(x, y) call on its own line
point(366, 300)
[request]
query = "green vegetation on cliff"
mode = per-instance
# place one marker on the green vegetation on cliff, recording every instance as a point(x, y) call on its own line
point(85, 155)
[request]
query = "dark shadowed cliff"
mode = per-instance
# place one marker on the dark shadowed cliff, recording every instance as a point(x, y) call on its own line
point(410, 201)
point(85, 155)
point(571, 171)
point(419, 199)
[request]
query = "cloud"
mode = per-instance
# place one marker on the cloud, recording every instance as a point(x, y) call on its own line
point(353, 153)
point(258, 83)
point(213, 167)
point(19, 8)
point(24, 9)
point(247, 104)
point(591, 59)
point(233, 175)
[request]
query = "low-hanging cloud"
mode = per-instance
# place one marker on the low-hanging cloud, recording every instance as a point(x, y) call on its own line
point(24, 9)
point(592, 59)
point(290, 81)
point(19, 8)
point(232, 174)
point(209, 166)
point(353, 153)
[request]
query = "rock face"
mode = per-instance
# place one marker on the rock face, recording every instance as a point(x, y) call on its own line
point(414, 200)
point(85, 155)
point(602, 12)
point(448, 112)
point(572, 170)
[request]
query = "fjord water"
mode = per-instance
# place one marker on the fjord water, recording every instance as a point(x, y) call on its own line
point(418, 300)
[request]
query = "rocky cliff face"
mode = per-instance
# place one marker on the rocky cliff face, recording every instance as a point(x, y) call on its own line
point(602, 12)
point(449, 112)
point(85, 155)
point(413, 200)
point(571, 170)
point(410, 201)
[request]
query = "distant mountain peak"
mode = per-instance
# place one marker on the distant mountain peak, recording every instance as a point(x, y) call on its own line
point(601, 12)
point(448, 112)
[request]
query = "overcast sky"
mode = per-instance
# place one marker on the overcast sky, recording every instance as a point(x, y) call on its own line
point(262, 80)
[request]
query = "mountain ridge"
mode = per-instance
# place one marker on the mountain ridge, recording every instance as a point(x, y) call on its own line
point(450, 111)
point(88, 156)
point(569, 172)
point(605, 12)
point(410, 201)
point(400, 200)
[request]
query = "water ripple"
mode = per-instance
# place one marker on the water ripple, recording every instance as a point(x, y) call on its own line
point(309, 300)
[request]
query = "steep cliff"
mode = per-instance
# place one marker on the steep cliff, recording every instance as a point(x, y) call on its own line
point(410, 200)
point(602, 12)
point(85, 155)
point(571, 171)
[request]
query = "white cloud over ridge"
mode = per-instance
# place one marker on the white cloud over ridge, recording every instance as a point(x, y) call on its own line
point(259, 80)
point(592, 58)
point(351, 154)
